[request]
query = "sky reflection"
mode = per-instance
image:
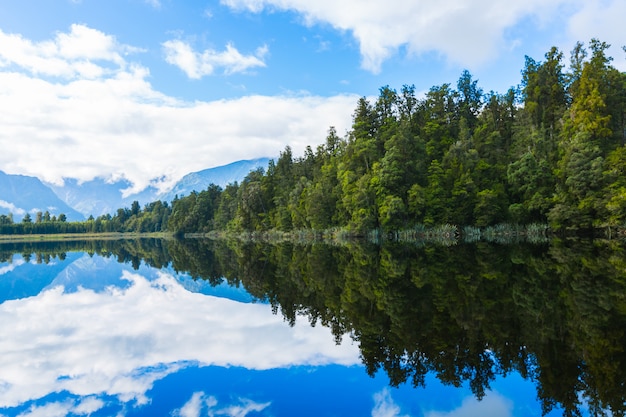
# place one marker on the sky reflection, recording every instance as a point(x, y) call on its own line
point(88, 342)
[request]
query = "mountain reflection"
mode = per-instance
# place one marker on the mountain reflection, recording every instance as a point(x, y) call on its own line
point(554, 313)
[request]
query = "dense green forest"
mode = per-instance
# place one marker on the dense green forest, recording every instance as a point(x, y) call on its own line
point(552, 150)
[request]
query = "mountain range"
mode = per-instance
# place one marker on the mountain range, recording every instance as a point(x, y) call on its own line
point(20, 194)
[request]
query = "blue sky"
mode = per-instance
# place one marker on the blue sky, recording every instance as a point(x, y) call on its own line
point(150, 90)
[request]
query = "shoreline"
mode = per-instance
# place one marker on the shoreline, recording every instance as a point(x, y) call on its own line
point(539, 232)
point(60, 237)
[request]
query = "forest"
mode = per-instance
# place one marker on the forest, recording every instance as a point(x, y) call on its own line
point(551, 150)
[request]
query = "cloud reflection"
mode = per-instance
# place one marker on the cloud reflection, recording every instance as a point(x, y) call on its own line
point(193, 407)
point(200, 402)
point(85, 407)
point(119, 341)
point(10, 267)
point(384, 406)
point(492, 405)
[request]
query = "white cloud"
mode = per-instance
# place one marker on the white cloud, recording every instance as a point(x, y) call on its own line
point(492, 405)
point(603, 20)
point(80, 53)
point(384, 406)
point(120, 341)
point(469, 33)
point(98, 116)
point(12, 208)
point(197, 65)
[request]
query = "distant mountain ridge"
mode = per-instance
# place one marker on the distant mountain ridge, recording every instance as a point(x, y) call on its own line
point(98, 196)
point(21, 194)
point(222, 176)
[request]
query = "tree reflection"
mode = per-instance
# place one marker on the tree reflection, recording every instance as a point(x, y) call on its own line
point(554, 313)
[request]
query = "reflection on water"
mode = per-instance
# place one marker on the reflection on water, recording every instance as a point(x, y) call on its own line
point(214, 328)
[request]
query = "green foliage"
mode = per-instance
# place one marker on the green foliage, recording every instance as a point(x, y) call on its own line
point(615, 174)
point(393, 213)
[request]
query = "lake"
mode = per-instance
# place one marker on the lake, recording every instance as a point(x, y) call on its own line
point(201, 327)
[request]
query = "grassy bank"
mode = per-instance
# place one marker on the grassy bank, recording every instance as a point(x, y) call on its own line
point(82, 236)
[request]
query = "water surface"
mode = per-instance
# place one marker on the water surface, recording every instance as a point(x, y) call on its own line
point(213, 328)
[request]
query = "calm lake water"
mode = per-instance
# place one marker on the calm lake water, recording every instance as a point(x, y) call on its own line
point(204, 328)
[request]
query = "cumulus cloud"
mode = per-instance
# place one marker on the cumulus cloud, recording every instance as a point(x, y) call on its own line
point(80, 53)
point(119, 341)
point(469, 33)
point(74, 106)
point(196, 65)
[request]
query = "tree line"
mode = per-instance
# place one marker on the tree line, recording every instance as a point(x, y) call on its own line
point(153, 217)
point(551, 150)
